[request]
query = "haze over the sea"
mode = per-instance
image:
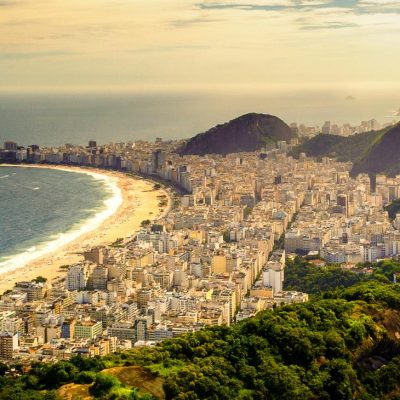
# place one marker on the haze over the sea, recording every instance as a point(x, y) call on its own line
point(53, 118)
point(197, 63)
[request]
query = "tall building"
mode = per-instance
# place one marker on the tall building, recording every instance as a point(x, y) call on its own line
point(10, 146)
point(144, 295)
point(141, 326)
point(8, 343)
point(157, 160)
point(326, 128)
point(273, 276)
point(68, 329)
point(163, 278)
point(95, 255)
point(343, 201)
point(77, 277)
point(99, 277)
point(218, 263)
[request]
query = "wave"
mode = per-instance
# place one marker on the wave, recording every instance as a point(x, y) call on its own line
point(108, 208)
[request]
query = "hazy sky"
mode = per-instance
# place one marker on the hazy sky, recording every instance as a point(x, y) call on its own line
point(185, 43)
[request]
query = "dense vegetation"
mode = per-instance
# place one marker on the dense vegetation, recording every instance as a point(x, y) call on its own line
point(342, 148)
point(343, 344)
point(303, 276)
point(371, 152)
point(383, 155)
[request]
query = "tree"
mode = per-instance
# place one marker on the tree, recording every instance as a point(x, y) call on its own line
point(57, 374)
point(103, 384)
point(3, 369)
point(86, 377)
point(145, 223)
point(40, 279)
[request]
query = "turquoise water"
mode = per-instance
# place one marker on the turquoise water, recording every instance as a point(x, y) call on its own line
point(38, 205)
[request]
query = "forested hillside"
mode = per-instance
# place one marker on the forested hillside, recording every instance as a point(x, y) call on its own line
point(342, 148)
point(371, 152)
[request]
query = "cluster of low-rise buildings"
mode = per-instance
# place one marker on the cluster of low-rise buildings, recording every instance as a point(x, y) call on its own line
point(216, 258)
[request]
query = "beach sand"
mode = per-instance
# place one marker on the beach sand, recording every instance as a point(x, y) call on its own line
point(139, 202)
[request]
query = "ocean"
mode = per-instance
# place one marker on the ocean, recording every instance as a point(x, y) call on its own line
point(43, 209)
point(56, 118)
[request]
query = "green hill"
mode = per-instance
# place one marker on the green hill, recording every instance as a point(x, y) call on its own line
point(383, 154)
point(249, 132)
point(342, 148)
point(371, 152)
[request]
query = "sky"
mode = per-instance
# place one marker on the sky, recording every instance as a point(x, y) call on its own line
point(183, 44)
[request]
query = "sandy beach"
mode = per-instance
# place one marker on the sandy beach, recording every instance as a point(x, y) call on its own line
point(139, 202)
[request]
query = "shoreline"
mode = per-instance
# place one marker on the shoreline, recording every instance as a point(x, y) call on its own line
point(138, 201)
point(110, 205)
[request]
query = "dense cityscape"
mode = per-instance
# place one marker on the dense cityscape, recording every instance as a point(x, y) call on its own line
point(216, 257)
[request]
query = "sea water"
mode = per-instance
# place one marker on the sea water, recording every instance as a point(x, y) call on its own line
point(56, 118)
point(43, 209)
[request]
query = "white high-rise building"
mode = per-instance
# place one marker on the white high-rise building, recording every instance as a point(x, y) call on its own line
point(77, 277)
point(273, 276)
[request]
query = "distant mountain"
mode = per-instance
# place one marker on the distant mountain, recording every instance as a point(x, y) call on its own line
point(371, 152)
point(249, 132)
